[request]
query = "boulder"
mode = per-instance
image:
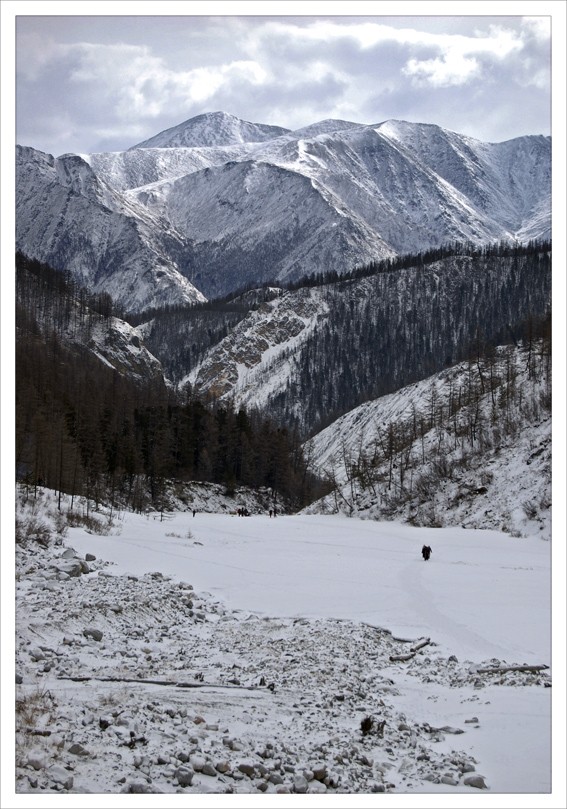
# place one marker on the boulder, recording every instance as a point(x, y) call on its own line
point(69, 567)
point(77, 749)
point(184, 776)
point(95, 634)
point(59, 775)
point(476, 781)
point(247, 767)
point(300, 784)
point(197, 762)
point(37, 760)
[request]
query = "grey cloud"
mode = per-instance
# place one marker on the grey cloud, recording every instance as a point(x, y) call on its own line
point(121, 106)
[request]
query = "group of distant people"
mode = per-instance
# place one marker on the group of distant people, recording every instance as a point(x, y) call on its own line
point(243, 512)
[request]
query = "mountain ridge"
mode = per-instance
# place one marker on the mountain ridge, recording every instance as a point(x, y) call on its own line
point(314, 351)
point(180, 223)
point(212, 129)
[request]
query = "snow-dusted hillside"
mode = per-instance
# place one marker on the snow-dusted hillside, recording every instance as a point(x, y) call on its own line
point(68, 217)
point(321, 350)
point(217, 203)
point(255, 362)
point(48, 306)
point(212, 129)
point(470, 446)
point(120, 346)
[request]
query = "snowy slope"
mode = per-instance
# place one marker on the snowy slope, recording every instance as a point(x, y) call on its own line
point(253, 221)
point(141, 168)
point(501, 479)
point(226, 203)
point(509, 180)
point(120, 346)
point(255, 361)
point(70, 219)
point(212, 129)
point(384, 185)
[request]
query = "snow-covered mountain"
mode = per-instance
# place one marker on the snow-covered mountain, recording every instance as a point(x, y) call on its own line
point(73, 220)
point(216, 203)
point(212, 129)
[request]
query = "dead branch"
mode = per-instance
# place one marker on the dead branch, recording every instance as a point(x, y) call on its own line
point(421, 644)
point(504, 669)
point(405, 657)
point(445, 729)
point(401, 658)
point(173, 683)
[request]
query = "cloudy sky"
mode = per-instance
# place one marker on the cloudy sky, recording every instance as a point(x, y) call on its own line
point(103, 83)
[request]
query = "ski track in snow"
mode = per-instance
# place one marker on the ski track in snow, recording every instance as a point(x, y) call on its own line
point(348, 558)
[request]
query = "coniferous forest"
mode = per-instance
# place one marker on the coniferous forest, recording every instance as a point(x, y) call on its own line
point(395, 326)
point(86, 429)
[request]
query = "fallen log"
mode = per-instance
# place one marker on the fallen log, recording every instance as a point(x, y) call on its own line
point(218, 685)
point(504, 669)
point(86, 679)
point(445, 729)
point(171, 683)
point(421, 644)
point(401, 658)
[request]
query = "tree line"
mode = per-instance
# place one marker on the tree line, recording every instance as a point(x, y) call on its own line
point(390, 323)
point(390, 329)
point(84, 429)
point(468, 414)
point(502, 249)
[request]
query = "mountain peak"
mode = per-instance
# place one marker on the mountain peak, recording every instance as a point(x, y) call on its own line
point(325, 127)
point(212, 129)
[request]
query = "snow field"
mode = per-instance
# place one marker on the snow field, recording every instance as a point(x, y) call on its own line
point(233, 655)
